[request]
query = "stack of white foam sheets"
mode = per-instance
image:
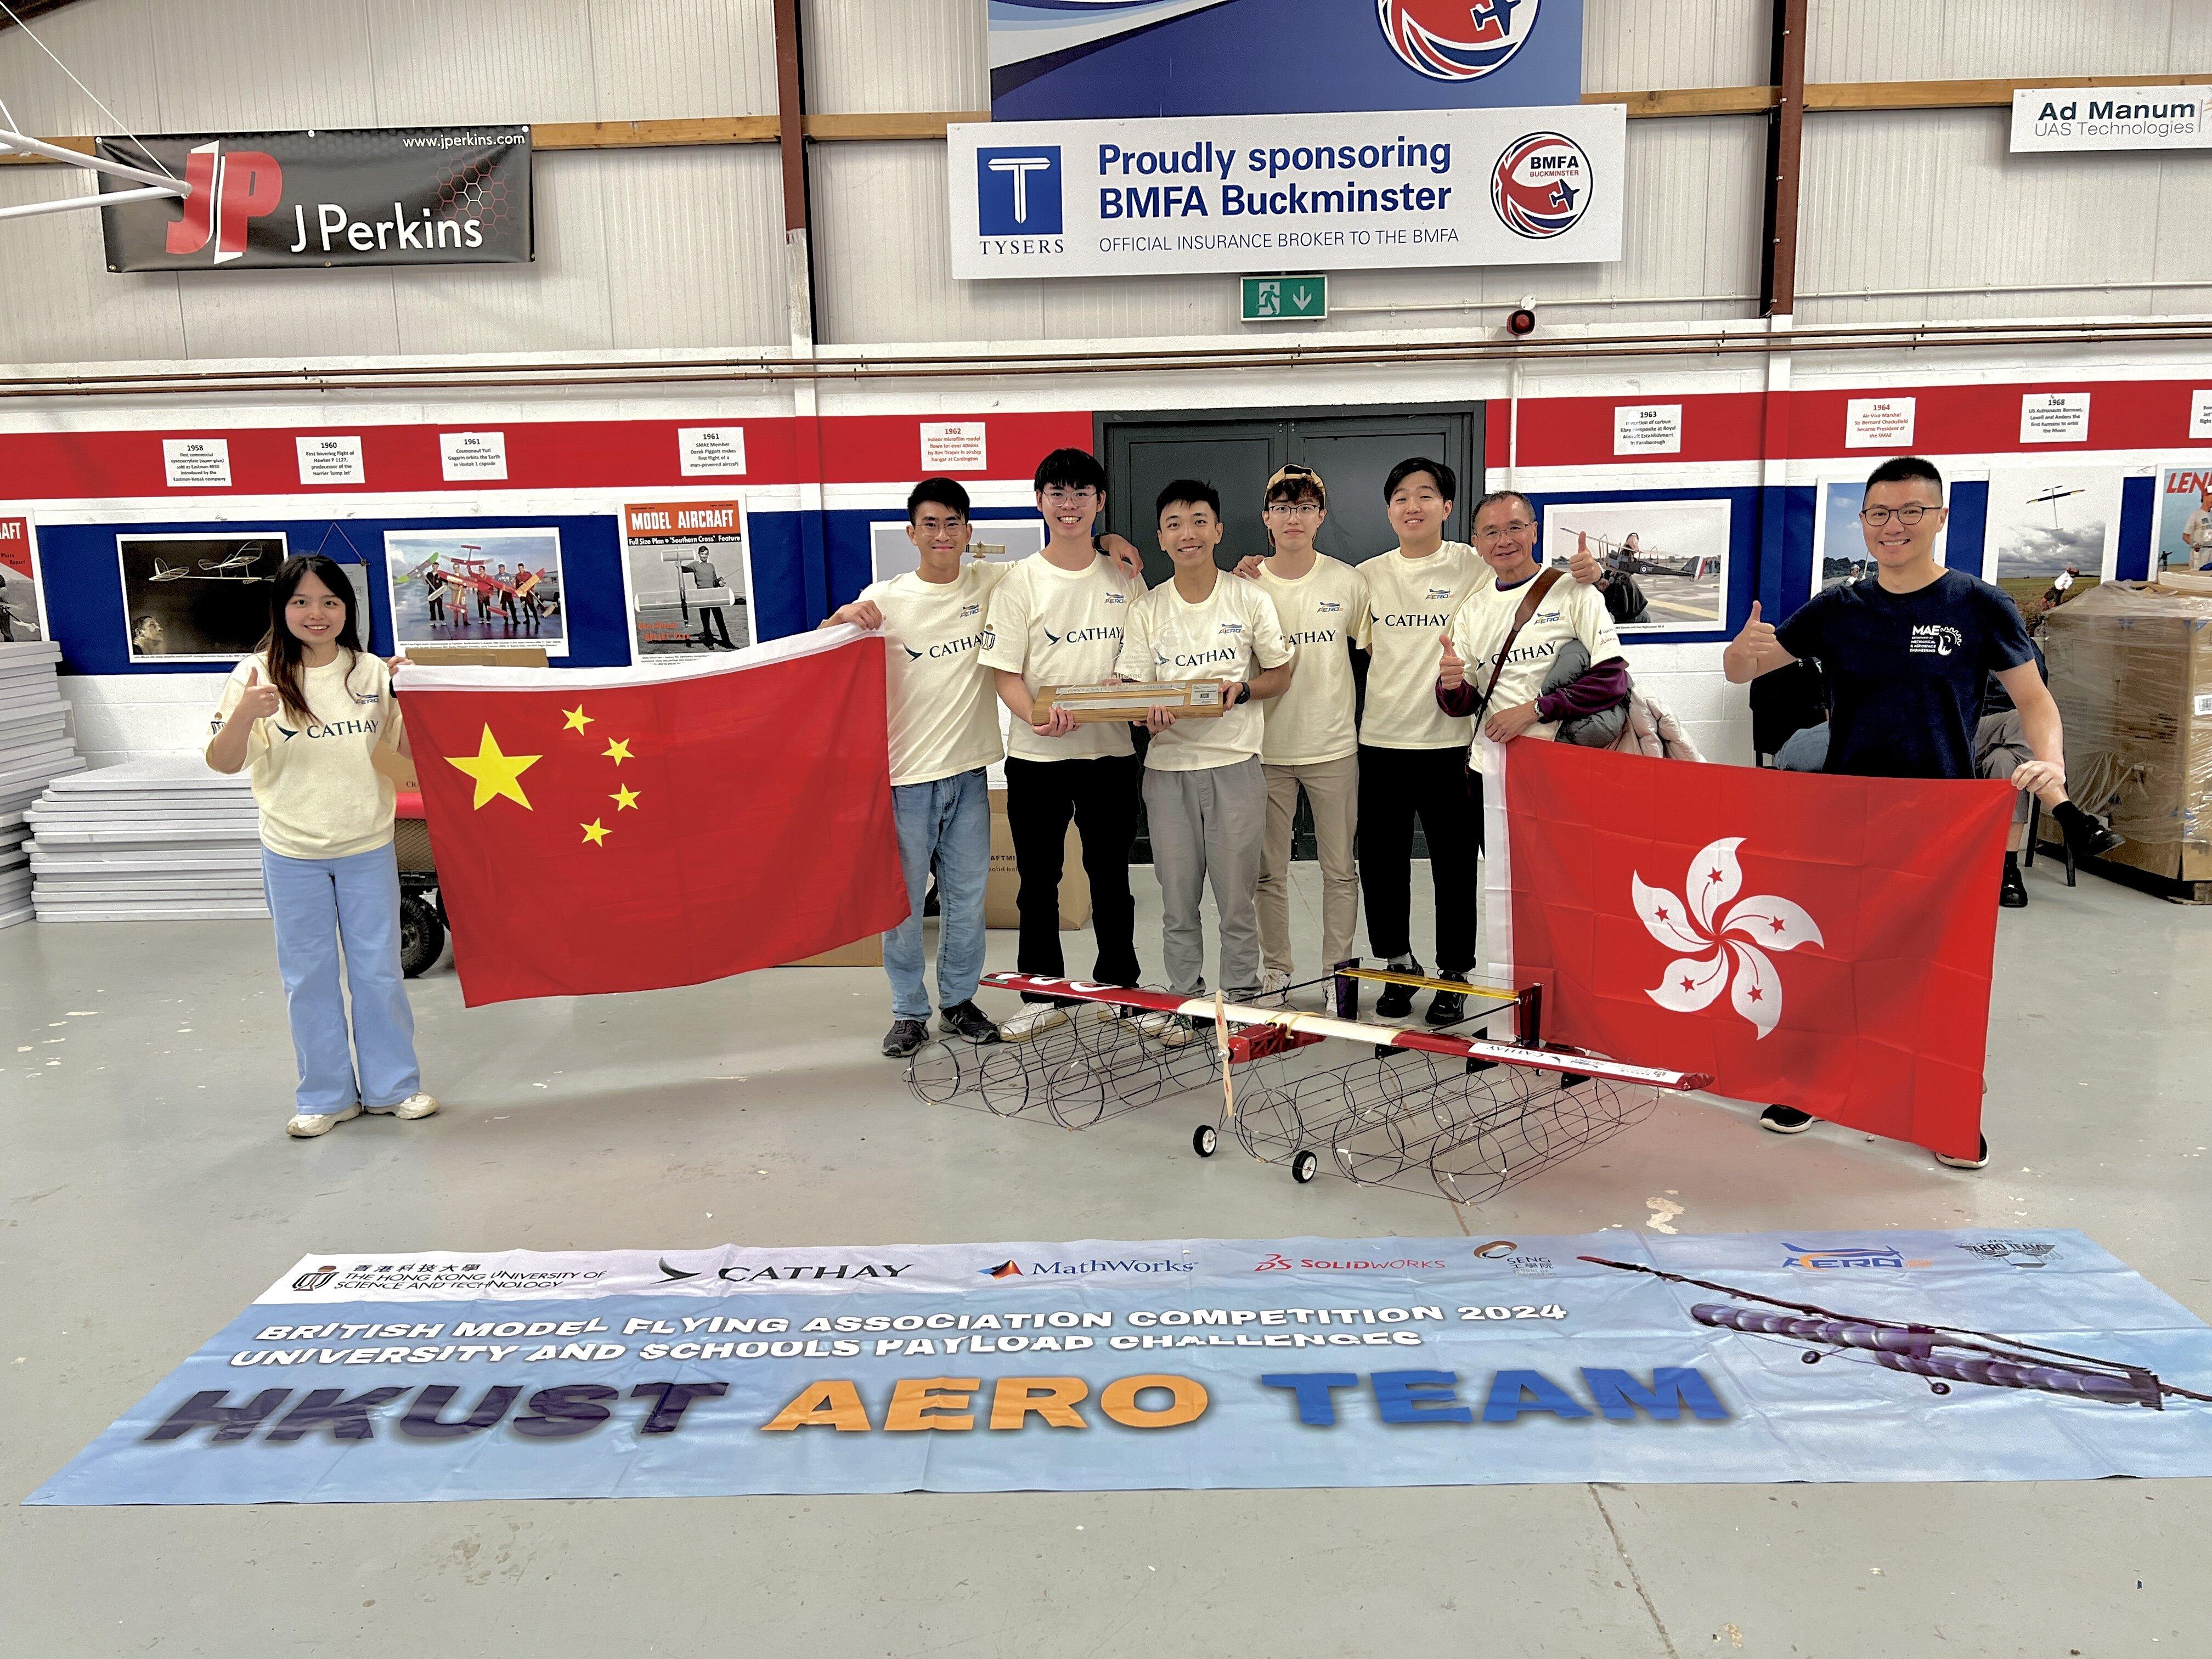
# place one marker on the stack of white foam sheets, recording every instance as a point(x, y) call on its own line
point(34, 740)
point(163, 840)
point(34, 749)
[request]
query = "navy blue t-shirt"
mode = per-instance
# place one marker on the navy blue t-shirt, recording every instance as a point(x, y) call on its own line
point(1906, 670)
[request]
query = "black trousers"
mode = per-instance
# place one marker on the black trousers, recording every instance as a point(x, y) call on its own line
point(1396, 786)
point(1101, 795)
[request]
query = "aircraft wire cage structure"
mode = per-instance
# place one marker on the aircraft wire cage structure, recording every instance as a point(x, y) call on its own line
point(1431, 1111)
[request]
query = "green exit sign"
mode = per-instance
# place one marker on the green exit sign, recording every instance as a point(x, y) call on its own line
point(1282, 299)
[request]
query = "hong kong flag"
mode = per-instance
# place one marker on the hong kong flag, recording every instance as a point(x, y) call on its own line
point(624, 829)
point(1817, 942)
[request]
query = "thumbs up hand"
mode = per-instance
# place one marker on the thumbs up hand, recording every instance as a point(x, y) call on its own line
point(258, 701)
point(1757, 635)
point(1452, 673)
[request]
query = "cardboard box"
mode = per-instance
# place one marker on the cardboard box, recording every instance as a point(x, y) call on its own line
point(2131, 671)
point(1004, 886)
point(860, 953)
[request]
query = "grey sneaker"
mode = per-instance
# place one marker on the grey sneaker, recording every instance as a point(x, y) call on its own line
point(903, 1038)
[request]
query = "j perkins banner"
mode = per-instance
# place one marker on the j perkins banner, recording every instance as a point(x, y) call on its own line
point(1261, 192)
point(393, 196)
point(1051, 60)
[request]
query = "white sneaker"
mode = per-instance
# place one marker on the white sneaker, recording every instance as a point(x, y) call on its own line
point(413, 1106)
point(1169, 1030)
point(1034, 1017)
point(305, 1126)
point(1274, 987)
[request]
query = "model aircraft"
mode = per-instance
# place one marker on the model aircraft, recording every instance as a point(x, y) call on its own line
point(1462, 1114)
point(1943, 1353)
point(236, 566)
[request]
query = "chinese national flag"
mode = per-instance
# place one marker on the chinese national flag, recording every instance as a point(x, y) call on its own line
point(1817, 942)
point(629, 829)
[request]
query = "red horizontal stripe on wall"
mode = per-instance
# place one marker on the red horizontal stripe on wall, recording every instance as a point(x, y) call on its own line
point(1716, 426)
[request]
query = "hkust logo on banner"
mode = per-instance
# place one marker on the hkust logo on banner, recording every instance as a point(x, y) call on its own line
point(287, 200)
point(1392, 189)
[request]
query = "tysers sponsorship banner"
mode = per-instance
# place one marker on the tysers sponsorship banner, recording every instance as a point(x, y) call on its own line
point(393, 196)
point(1096, 1365)
point(1268, 192)
point(1051, 60)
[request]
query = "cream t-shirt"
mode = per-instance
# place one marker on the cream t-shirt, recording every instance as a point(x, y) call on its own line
point(1410, 603)
point(1569, 611)
point(1220, 637)
point(320, 794)
point(1056, 627)
point(943, 707)
point(1322, 612)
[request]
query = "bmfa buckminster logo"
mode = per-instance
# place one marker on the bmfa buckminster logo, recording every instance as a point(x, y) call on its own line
point(1449, 41)
point(1540, 186)
point(1693, 981)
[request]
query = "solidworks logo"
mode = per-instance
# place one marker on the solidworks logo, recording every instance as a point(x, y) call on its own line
point(224, 190)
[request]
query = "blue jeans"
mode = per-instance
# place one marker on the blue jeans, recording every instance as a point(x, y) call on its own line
point(949, 818)
point(322, 906)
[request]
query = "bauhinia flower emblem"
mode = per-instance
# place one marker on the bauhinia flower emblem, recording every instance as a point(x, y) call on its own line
point(1695, 979)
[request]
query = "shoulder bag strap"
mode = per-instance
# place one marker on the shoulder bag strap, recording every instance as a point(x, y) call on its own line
point(1545, 582)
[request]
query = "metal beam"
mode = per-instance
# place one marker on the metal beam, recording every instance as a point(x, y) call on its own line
point(1785, 151)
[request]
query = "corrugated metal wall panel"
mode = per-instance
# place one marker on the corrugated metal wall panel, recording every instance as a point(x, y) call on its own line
point(63, 303)
point(1637, 45)
point(113, 46)
point(437, 62)
point(1932, 200)
point(1923, 41)
point(693, 255)
point(873, 57)
point(682, 57)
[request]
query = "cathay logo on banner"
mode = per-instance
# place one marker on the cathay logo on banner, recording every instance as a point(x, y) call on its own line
point(1695, 979)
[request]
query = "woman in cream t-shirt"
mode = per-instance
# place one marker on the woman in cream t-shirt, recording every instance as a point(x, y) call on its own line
point(308, 714)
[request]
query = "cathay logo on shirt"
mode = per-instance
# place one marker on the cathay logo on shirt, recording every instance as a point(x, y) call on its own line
point(1314, 636)
point(1083, 635)
point(951, 648)
point(1936, 639)
point(1414, 619)
point(1197, 659)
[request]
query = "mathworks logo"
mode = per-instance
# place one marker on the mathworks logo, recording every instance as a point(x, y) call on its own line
point(1833, 1257)
point(1132, 1264)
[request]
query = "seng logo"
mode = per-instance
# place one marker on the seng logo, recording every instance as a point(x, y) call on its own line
point(1694, 979)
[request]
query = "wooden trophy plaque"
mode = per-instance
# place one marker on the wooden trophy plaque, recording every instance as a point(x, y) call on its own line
point(1130, 700)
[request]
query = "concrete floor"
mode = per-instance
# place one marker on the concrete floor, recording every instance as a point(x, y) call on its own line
point(149, 1194)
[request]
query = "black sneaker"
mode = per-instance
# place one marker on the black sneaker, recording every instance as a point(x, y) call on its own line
point(1786, 1120)
point(1448, 1007)
point(1396, 1001)
point(967, 1022)
point(903, 1038)
point(2012, 891)
point(1979, 1160)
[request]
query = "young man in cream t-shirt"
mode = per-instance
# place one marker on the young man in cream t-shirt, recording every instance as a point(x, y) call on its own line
point(1312, 738)
point(1057, 619)
point(944, 725)
point(1205, 793)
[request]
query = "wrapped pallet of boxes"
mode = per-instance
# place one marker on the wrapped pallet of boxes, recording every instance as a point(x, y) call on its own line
point(1004, 885)
point(2131, 669)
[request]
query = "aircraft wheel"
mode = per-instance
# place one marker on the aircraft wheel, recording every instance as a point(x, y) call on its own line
point(1304, 1167)
point(1204, 1139)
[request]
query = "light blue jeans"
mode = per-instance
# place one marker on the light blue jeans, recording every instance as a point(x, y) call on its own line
point(322, 906)
point(950, 819)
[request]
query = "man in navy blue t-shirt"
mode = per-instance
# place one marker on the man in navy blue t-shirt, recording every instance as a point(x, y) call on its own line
point(1906, 652)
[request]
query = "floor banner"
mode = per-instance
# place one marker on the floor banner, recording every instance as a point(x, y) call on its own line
point(1089, 1366)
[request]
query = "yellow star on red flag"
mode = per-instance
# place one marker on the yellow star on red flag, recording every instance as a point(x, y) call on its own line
point(578, 719)
point(594, 833)
point(623, 799)
point(496, 774)
point(618, 750)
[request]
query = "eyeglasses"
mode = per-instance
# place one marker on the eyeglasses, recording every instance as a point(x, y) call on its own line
point(1908, 515)
point(1293, 510)
point(1510, 527)
point(931, 525)
point(1082, 497)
